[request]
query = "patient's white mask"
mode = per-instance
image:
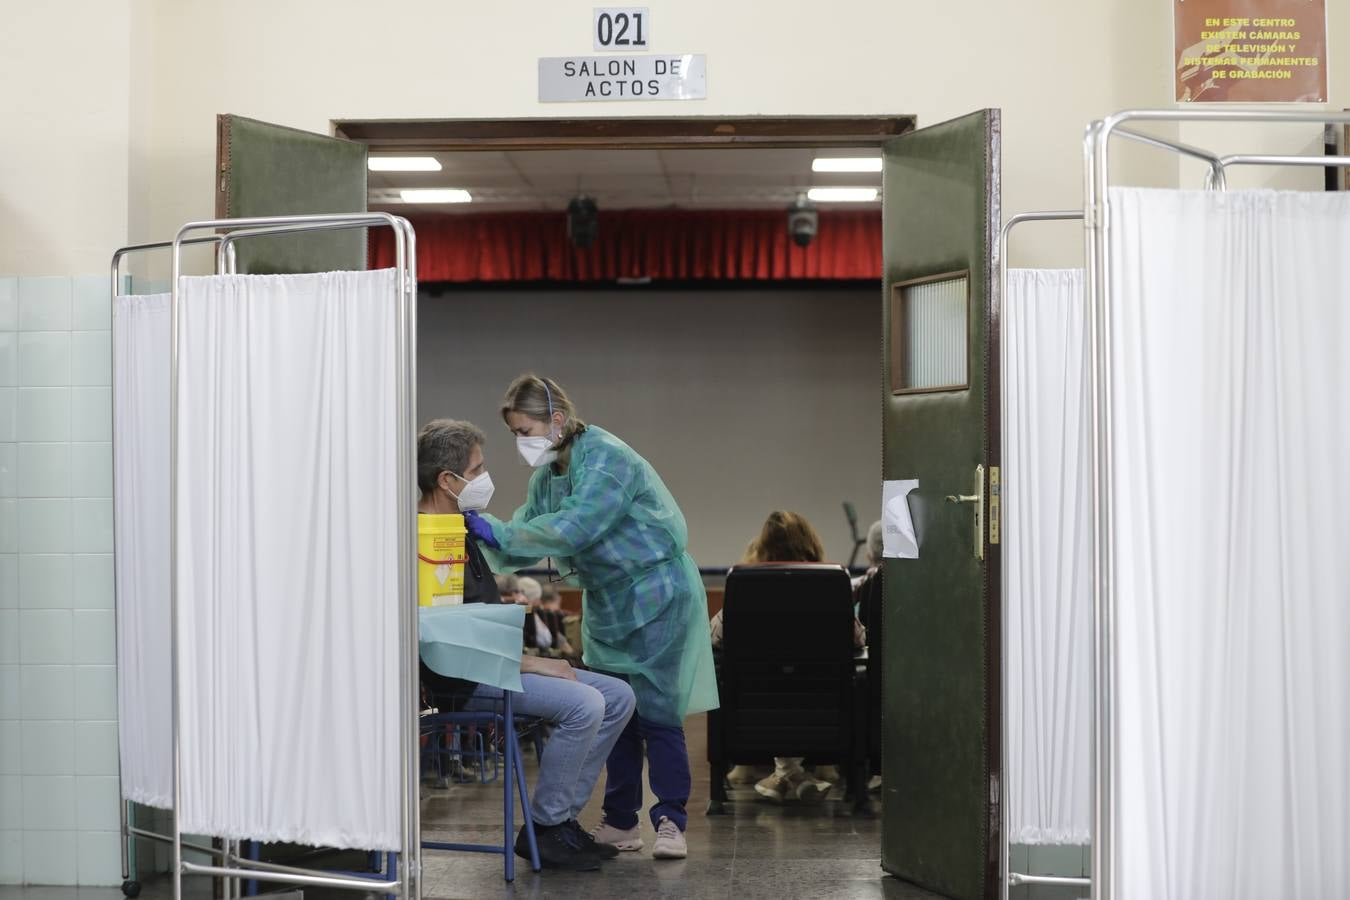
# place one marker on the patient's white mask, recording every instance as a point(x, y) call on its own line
point(537, 451)
point(477, 494)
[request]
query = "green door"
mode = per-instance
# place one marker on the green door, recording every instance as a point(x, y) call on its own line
point(271, 170)
point(940, 426)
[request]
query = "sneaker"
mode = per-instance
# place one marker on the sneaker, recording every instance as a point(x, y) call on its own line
point(828, 773)
point(874, 785)
point(622, 838)
point(590, 844)
point(557, 849)
point(741, 775)
point(670, 843)
point(775, 787)
point(803, 787)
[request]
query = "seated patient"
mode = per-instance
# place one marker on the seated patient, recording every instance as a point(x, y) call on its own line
point(787, 537)
point(588, 711)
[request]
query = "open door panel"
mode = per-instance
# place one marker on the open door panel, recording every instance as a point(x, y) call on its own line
point(271, 170)
point(941, 698)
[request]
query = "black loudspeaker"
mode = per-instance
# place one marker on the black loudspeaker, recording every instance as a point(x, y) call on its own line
point(583, 222)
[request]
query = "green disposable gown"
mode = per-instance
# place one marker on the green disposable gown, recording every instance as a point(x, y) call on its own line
point(645, 615)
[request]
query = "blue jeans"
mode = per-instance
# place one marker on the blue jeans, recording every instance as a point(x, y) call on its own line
point(667, 770)
point(588, 715)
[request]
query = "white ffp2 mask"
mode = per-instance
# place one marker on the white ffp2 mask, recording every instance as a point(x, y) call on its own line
point(477, 494)
point(536, 451)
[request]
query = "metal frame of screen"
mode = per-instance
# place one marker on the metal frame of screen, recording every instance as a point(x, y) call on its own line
point(1097, 184)
point(1008, 878)
point(233, 867)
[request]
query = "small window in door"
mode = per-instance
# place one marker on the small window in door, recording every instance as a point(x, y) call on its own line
point(930, 318)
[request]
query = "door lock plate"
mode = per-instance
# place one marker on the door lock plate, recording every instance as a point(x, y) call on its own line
point(995, 503)
point(977, 501)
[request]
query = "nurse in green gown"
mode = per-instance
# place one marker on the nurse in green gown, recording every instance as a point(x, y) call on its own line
point(603, 516)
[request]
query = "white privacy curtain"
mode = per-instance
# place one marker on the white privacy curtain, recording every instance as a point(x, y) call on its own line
point(1047, 578)
point(141, 502)
point(288, 558)
point(1230, 323)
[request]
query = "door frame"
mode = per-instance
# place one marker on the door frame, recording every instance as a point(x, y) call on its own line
point(760, 132)
point(630, 133)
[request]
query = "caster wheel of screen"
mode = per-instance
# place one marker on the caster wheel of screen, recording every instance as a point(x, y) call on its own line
point(131, 888)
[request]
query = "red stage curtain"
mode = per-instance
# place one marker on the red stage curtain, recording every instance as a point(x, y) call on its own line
point(663, 245)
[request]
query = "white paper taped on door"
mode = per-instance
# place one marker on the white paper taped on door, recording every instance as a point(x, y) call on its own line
point(897, 536)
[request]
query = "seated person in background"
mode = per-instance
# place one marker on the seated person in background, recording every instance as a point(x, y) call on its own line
point(552, 617)
point(787, 537)
point(862, 586)
point(863, 583)
point(589, 711)
point(550, 599)
point(538, 637)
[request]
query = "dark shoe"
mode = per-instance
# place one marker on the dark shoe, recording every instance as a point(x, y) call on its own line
point(589, 843)
point(557, 850)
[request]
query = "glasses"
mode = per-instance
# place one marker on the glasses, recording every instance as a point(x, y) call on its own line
point(553, 576)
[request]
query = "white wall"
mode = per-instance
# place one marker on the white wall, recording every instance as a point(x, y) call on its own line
point(65, 89)
point(745, 401)
point(109, 105)
point(306, 62)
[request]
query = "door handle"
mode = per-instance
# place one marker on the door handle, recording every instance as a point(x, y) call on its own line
point(977, 500)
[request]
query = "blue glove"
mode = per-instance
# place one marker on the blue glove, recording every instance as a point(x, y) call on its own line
point(480, 529)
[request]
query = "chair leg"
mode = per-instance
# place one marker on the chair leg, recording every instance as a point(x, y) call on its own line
point(859, 779)
point(717, 788)
point(508, 844)
point(525, 809)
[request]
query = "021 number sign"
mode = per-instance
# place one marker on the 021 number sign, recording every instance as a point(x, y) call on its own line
point(621, 28)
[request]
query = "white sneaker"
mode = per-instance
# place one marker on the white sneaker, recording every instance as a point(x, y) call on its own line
point(623, 838)
point(670, 843)
point(741, 775)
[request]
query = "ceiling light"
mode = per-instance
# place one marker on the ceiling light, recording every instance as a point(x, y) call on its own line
point(846, 164)
point(435, 195)
point(842, 194)
point(403, 164)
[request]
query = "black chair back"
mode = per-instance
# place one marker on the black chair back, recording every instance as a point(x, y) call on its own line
point(788, 659)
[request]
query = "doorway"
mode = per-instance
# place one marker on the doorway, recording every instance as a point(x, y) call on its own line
point(939, 807)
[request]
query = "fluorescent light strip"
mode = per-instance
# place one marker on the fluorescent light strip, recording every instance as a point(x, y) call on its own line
point(403, 164)
point(846, 164)
point(435, 195)
point(842, 195)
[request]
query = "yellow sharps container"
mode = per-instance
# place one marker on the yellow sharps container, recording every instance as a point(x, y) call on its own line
point(440, 560)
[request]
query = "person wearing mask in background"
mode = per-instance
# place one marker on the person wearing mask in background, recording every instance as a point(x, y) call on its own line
point(604, 517)
point(551, 617)
point(537, 635)
point(589, 711)
point(786, 537)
